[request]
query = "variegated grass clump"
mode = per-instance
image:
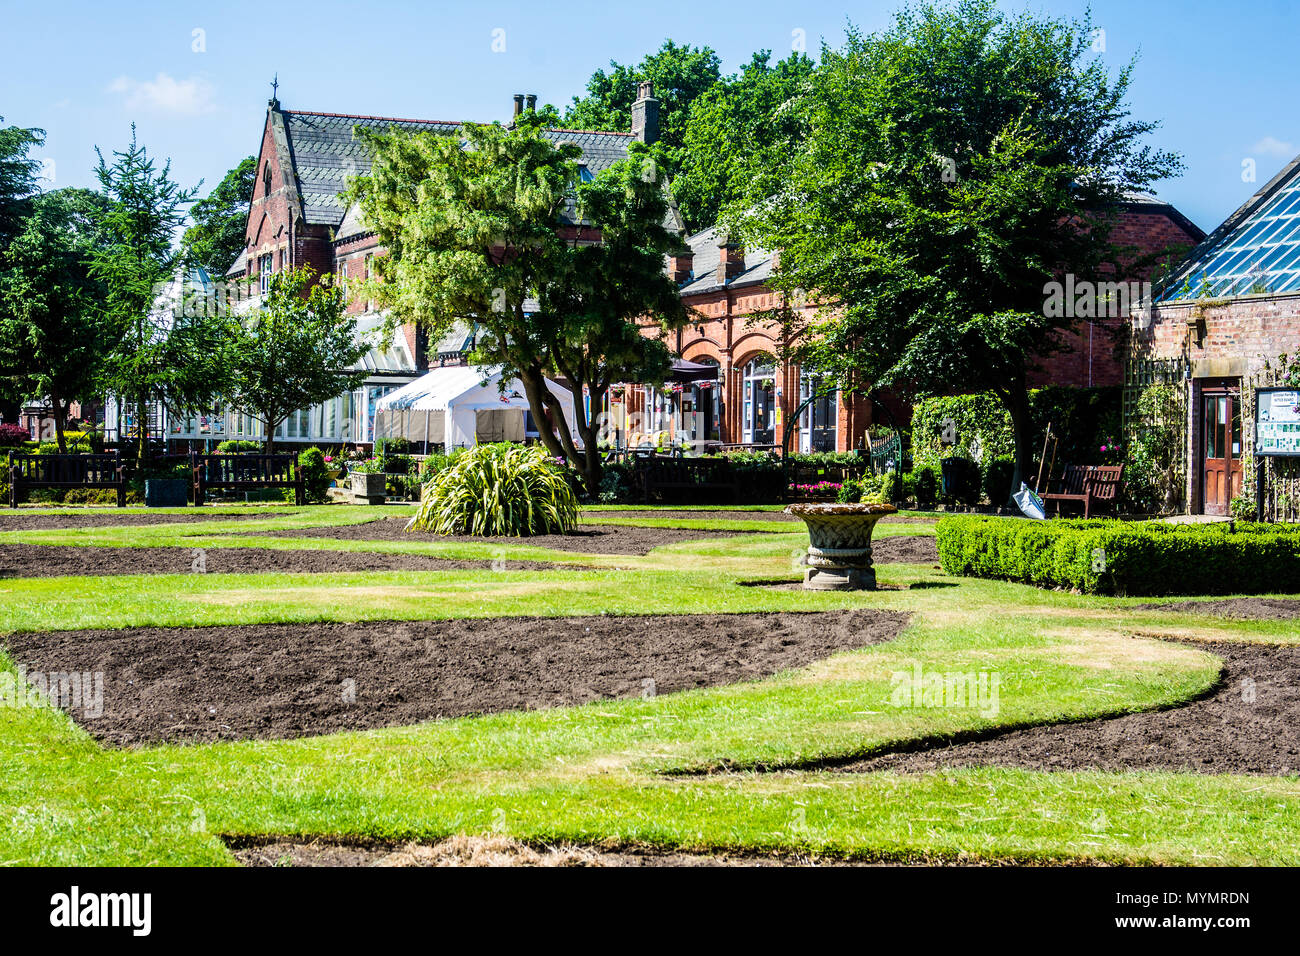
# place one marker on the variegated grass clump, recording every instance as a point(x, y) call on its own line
point(500, 489)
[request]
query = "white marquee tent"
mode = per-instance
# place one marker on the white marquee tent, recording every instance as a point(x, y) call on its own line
point(460, 406)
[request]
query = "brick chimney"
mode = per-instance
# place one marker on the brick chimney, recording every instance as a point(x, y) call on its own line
point(645, 114)
point(530, 102)
point(681, 265)
point(519, 104)
point(731, 261)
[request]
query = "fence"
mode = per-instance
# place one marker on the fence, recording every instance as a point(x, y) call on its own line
point(66, 471)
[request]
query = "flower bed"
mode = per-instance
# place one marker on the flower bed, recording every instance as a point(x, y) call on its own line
point(1121, 557)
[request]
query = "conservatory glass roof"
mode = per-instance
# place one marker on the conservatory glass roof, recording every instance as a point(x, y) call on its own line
point(1256, 250)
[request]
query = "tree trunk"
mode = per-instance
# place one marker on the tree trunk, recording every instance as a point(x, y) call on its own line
point(141, 431)
point(1017, 402)
point(534, 388)
point(59, 416)
point(268, 443)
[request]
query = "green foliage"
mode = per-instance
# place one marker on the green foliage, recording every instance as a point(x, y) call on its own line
point(18, 177)
point(616, 485)
point(1118, 557)
point(436, 462)
point(1243, 507)
point(927, 486)
point(680, 74)
point(161, 351)
point(738, 132)
point(236, 446)
point(850, 492)
point(954, 163)
point(53, 337)
point(973, 426)
point(1153, 474)
point(315, 475)
point(499, 489)
point(443, 211)
point(298, 350)
point(216, 237)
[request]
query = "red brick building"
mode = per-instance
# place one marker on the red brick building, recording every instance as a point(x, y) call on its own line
point(754, 394)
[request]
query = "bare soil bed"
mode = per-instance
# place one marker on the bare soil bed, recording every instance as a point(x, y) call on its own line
point(43, 561)
point(113, 519)
point(585, 539)
point(1249, 724)
point(905, 549)
point(775, 516)
point(1260, 609)
point(190, 685)
point(494, 851)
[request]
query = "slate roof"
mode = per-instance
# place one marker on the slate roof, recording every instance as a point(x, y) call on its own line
point(325, 151)
point(704, 265)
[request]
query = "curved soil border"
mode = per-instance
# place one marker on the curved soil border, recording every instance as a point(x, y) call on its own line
point(191, 685)
point(1249, 723)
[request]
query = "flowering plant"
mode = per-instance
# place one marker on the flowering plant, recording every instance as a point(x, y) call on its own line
point(821, 489)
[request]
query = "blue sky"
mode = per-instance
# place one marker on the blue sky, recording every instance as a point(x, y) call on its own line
point(1215, 73)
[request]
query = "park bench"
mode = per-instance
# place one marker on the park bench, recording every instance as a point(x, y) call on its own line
point(246, 473)
point(1088, 485)
point(65, 472)
point(656, 474)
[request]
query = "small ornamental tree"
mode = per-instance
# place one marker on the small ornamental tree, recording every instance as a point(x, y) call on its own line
point(216, 237)
point(472, 224)
point(298, 350)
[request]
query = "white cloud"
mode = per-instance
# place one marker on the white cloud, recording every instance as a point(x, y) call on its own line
point(1269, 146)
point(164, 94)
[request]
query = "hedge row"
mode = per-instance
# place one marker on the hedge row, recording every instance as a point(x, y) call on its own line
point(1123, 557)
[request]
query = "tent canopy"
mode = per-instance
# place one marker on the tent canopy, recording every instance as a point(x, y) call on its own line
point(460, 406)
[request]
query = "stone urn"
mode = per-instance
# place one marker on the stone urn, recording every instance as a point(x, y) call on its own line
point(839, 550)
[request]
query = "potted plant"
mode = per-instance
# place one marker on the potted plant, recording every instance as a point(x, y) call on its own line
point(368, 480)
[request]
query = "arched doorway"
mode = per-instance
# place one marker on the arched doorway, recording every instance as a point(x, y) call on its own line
point(758, 386)
point(701, 416)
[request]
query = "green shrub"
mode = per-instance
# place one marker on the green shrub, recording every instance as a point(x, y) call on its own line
point(315, 475)
point(500, 489)
point(432, 464)
point(1243, 507)
point(850, 492)
point(1105, 556)
point(236, 446)
point(616, 485)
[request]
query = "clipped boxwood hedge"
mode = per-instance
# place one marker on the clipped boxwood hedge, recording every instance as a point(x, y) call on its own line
point(1103, 556)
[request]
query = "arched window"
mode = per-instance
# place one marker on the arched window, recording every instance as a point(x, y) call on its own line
point(266, 179)
point(759, 390)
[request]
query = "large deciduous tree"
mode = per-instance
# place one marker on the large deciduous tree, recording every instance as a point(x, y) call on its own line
point(53, 340)
point(299, 349)
point(680, 73)
point(954, 164)
point(738, 134)
point(472, 224)
point(219, 221)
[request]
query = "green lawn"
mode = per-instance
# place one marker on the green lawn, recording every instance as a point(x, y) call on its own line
point(629, 771)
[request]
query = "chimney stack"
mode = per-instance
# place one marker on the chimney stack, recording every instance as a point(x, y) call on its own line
point(519, 104)
point(531, 103)
point(731, 261)
point(681, 265)
point(645, 114)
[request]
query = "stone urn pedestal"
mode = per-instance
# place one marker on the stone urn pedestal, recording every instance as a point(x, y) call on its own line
point(839, 551)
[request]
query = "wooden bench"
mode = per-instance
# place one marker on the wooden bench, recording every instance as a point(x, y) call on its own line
point(66, 472)
point(1088, 485)
point(246, 473)
point(654, 473)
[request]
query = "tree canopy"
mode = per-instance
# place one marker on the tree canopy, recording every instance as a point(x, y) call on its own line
point(53, 341)
point(472, 224)
point(297, 350)
point(953, 165)
point(219, 221)
point(18, 176)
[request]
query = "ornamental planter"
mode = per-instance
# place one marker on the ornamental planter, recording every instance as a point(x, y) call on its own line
point(839, 551)
point(369, 486)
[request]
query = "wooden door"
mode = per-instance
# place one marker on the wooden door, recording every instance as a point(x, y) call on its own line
point(1221, 448)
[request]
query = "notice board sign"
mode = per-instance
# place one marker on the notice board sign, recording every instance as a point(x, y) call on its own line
point(1277, 421)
